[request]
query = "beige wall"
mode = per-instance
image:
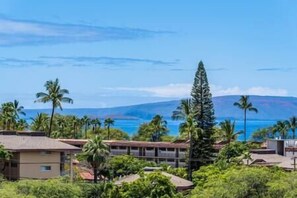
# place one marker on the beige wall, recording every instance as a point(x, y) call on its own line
point(31, 162)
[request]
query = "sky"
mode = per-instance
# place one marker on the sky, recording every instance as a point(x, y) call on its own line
point(117, 53)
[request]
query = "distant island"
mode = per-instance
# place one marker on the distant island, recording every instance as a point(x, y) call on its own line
point(270, 108)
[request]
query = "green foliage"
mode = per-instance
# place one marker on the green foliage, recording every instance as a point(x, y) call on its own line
point(49, 188)
point(153, 185)
point(201, 150)
point(155, 130)
point(231, 152)
point(245, 105)
point(234, 182)
point(55, 95)
point(4, 154)
point(262, 135)
point(102, 190)
point(180, 172)
point(9, 116)
point(125, 165)
point(115, 134)
point(95, 152)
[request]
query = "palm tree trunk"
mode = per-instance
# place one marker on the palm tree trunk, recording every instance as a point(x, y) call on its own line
point(86, 132)
point(190, 159)
point(294, 141)
point(108, 132)
point(51, 121)
point(245, 125)
point(95, 175)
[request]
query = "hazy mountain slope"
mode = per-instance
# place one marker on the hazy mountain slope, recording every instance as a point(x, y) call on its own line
point(270, 108)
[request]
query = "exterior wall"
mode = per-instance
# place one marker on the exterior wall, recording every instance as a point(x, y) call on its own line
point(12, 168)
point(31, 162)
point(272, 144)
point(172, 156)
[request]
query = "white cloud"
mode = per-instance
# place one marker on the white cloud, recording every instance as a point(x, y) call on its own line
point(167, 91)
point(184, 90)
point(261, 91)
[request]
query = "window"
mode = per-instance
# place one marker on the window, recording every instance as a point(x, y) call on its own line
point(45, 152)
point(14, 165)
point(182, 150)
point(170, 160)
point(134, 148)
point(170, 149)
point(123, 147)
point(45, 168)
point(149, 149)
point(162, 149)
point(114, 147)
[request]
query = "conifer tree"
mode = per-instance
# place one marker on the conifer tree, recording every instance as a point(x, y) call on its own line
point(201, 150)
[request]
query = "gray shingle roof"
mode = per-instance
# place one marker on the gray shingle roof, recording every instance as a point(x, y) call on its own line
point(178, 182)
point(28, 143)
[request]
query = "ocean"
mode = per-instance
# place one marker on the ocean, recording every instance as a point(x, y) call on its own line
point(131, 126)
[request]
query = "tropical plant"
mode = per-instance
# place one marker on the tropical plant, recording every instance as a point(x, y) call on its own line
point(40, 122)
point(96, 153)
point(292, 125)
point(96, 124)
point(55, 95)
point(228, 131)
point(282, 128)
point(159, 128)
point(86, 121)
point(21, 125)
point(108, 122)
point(10, 112)
point(153, 185)
point(182, 112)
point(245, 105)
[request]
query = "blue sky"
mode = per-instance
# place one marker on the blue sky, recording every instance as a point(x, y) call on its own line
point(114, 53)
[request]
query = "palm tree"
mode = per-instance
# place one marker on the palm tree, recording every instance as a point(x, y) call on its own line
point(182, 112)
point(86, 121)
point(61, 122)
point(76, 125)
point(159, 127)
point(292, 124)
point(107, 123)
point(10, 113)
point(282, 128)
point(228, 130)
point(21, 124)
point(245, 105)
point(40, 122)
point(96, 153)
point(55, 95)
point(96, 123)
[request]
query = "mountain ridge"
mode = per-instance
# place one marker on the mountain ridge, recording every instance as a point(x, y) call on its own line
point(270, 108)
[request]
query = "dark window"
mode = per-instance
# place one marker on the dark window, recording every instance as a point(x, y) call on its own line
point(134, 148)
point(162, 149)
point(182, 150)
point(114, 147)
point(170, 149)
point(170, 160)
point(123, 147)
point(149, 149)
point(45, 168)
point(13, 164)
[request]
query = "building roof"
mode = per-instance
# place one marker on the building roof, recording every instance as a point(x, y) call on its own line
point(129, 143)
point(273, 160)
point(178, 182)
point(33, 143)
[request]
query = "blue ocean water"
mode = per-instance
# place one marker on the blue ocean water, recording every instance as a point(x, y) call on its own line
point(131, 126)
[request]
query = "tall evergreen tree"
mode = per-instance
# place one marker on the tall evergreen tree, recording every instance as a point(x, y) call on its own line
point(202, 146)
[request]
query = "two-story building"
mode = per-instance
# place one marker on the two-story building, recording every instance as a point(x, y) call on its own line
point(34, 155)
